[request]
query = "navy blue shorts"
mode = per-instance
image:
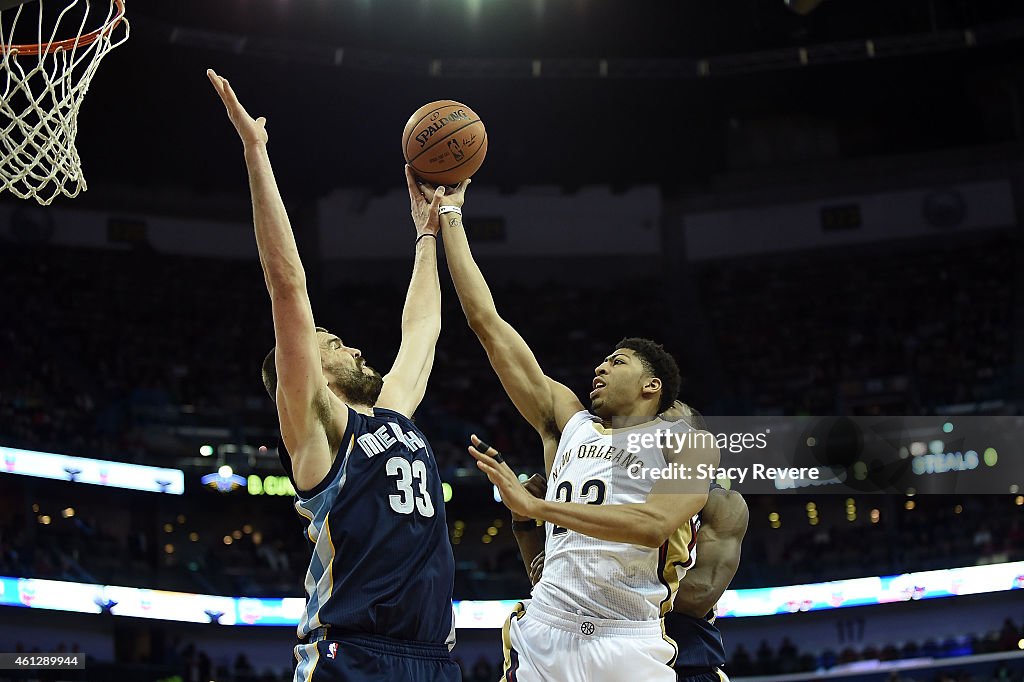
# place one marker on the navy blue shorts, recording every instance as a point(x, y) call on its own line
point(684, 674)
point(360, 658)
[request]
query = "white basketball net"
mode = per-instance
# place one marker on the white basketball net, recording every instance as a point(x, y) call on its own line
point(40, 95)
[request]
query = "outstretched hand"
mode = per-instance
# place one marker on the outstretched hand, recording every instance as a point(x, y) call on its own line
point(453, 196)
point(425, 200)
point(252, 131)
point(537, 486)
point(457, 196)
point(520, 501)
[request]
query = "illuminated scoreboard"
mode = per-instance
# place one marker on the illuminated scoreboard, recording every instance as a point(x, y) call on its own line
point(278, 486)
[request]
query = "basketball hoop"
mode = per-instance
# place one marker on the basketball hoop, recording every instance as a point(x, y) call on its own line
point(42, 86)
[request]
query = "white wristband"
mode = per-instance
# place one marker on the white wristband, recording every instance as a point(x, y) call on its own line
point(449, 209)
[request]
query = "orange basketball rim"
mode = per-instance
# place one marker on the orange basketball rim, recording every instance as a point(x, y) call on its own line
point(70, 43)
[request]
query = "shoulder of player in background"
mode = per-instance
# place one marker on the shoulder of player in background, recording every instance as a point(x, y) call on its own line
point(725, 508)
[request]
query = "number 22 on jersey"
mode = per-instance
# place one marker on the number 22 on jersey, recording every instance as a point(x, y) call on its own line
point(591, 492)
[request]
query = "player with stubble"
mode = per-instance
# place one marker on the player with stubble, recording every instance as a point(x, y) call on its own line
point(379, 584)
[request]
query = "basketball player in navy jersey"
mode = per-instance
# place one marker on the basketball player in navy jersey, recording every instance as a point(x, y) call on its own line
point(723, 523)
point(379, 585)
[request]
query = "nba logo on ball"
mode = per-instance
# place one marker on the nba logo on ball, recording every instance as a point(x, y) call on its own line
point(444, 142)
point(453, 145)
point(332, 649)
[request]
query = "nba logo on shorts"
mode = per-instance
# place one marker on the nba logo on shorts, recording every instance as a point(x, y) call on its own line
point(332, 649)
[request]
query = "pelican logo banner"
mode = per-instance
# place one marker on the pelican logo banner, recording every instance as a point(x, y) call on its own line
point(250, 610)
point(92, 471)
point(587, 628)
point(26, 592)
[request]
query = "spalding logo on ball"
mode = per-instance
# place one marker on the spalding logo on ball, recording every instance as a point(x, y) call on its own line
point(444, 142)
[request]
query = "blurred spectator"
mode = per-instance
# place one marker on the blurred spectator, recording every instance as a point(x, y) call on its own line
point(128, 355)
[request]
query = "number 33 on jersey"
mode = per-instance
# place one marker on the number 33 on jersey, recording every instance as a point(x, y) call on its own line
point(376, 524)
point(411, 477)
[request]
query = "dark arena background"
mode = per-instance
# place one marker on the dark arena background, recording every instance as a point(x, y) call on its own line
point(818, 212)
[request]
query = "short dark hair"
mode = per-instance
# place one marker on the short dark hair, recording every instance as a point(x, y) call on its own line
point(658, 363)
point(270, 369)
point(694, 418)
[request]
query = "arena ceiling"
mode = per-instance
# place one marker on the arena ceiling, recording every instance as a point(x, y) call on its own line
point(572, 91)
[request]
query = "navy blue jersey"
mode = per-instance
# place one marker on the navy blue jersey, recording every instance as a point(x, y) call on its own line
point(699, 639)
point(382, 561)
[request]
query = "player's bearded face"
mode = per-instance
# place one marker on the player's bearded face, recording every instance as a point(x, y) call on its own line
point(361, 384)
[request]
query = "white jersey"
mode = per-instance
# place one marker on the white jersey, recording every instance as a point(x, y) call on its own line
point(600, 578)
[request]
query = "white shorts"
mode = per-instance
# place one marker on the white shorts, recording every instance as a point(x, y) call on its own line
point(546, 645)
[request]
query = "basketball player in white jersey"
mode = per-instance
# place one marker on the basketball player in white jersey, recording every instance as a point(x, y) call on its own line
point(722, 525)
point(617, 547)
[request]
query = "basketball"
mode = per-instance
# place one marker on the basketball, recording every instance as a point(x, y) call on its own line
point(444, 142)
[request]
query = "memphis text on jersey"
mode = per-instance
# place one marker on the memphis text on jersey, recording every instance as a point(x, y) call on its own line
point(387, 435)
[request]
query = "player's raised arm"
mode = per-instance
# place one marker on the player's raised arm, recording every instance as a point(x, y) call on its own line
point(648, 523)
point(302, 395)
point(542, 401)
point(723, 525)
point(406, 383)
